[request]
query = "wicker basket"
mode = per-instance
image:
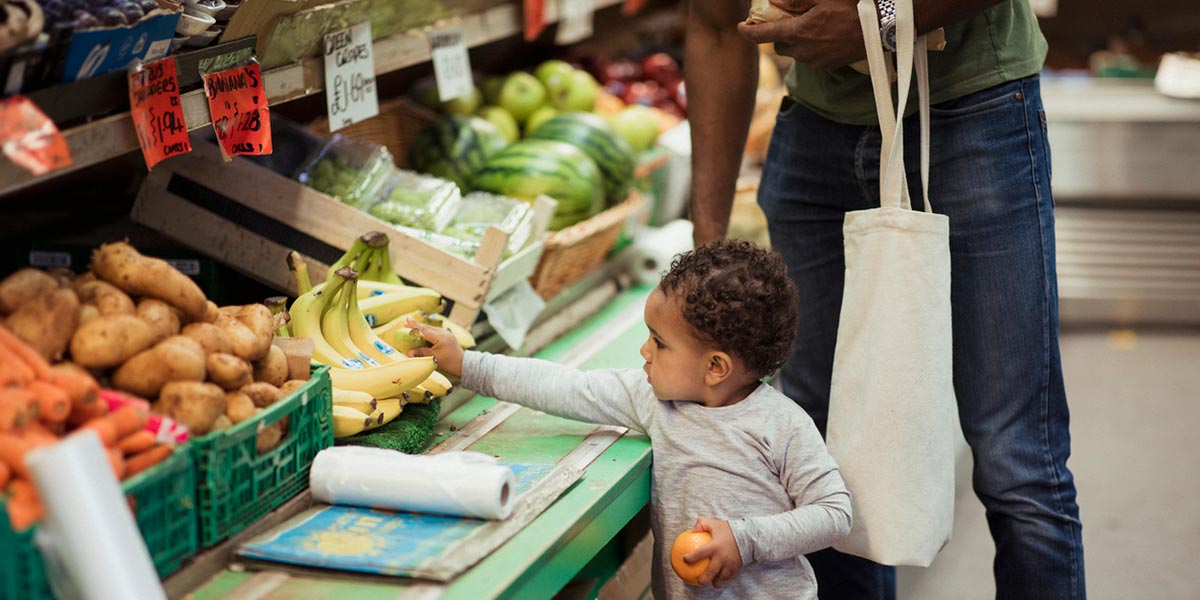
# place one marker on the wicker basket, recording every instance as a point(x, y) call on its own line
point(575, 251)
point(398, 123)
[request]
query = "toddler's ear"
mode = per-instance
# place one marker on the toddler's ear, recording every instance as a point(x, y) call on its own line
point(719, 367)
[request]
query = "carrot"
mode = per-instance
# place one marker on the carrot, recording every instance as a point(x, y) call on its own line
point(53, 401)
point(128, 420)
point(137, 442)
point(104, 427)
point(14, 408)
point(144, 460)
point(35, 361)
point(38, 434)
point(80, 387)
point(13, 370)
point(24, 507)
point(94, 410)
point(5, 474)
point(13, 449)
point(117, 461)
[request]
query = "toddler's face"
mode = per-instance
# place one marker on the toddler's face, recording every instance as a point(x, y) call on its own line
point(675, 365)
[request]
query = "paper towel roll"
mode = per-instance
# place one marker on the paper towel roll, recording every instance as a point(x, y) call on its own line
point(88, 525)
point(463, 484)
point(655, 248)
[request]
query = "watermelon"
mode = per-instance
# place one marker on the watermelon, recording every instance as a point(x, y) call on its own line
point(556, 169)
point(593, 134)
point(455, 148)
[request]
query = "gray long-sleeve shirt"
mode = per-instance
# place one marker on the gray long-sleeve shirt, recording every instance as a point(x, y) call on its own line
point(759, 464)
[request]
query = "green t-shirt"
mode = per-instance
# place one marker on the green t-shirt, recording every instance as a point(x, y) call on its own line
point(1000, 44)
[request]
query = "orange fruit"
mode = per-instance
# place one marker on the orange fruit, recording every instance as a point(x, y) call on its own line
point(685, 544)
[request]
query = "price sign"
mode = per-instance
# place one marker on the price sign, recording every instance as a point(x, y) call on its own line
point(451, 65)
point(535, 18)
point(575, 21)
point(29, 138)
point(156, 111)
point(350, 92)
point(238, 106)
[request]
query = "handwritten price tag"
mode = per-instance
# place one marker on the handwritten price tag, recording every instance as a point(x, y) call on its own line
point(451, 64)
point(29, 138)
point(575, 21)
point(238, 106)
point(156, 111)
point(350, 93)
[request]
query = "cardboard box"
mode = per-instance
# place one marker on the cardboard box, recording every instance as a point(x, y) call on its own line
point(99, 51)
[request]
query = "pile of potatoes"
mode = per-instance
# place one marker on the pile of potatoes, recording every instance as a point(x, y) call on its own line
point(148, 330)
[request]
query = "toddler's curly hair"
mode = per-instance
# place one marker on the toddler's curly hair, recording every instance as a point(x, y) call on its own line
point(737, 296)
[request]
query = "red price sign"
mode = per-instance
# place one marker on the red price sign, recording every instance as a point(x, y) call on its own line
point(535, 19)
point(156, 111)
point(29, 138)
point(238, 106)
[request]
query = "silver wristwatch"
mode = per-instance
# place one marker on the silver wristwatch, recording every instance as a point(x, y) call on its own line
point(887, 23)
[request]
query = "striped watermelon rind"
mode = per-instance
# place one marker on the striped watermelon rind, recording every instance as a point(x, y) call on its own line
point(593, 134)
point(557, 169)
point(455, 148)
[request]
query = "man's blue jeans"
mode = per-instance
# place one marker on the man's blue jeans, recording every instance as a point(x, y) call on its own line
point(990, 173)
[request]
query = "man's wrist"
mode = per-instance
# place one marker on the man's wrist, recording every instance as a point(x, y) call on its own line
point(887, 23)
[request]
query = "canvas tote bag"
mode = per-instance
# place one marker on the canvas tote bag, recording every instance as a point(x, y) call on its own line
point(892, 414)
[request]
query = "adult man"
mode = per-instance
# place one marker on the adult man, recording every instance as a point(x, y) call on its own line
point(990, 173)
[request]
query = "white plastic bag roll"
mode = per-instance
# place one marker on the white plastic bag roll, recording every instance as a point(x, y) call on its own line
point(655, 248)
point(88, 525)
point(461, 484)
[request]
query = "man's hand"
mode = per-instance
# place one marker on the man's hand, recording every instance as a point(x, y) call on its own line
point(443, 347)
point(824, 33)
point(726, 560)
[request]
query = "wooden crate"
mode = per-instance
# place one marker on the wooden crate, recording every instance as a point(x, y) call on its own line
point(249, 218)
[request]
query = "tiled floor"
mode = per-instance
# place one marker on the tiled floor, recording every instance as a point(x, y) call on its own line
point(1135, 409)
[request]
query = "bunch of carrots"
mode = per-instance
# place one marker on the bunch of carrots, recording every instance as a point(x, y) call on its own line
point(39, 403)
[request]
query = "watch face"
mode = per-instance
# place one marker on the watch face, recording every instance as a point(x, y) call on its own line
point(889, 37)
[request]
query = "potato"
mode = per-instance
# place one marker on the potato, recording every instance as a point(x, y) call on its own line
point(762, 11)
point(229, 371)
point(211, 312)
point(105, 297)
point(210, 337)
point(196, 405)
point(177, 358)
point(290, 386)
point(62, 275)
point(87, 312)
point(47, 322)
point(222, 422)
point(263, 394)
point(270, 436)
point(160, 316)
point(249, 330)
point(23, 286)
point(109, 341)
point(272, 368)
point(239, 407)
point(123, 266)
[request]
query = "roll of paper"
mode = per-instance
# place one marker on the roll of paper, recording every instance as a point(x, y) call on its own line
point(88, 525)
point(655, 248)
point(461, 484)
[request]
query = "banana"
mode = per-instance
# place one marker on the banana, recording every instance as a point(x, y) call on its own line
point(299, 270)
point(388, 410)
point(306, 322)
point(462, 334)
point(418, 395)
point(335, 326)
point(381, 309)
point(387, 380)
point(403, 339)
point(357, 250)
point(387, 274)
point(437, 384)
point(348, 421)
point(355, 399)
point(361, 334)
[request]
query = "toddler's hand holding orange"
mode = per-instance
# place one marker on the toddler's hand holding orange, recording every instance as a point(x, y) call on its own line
point(707, 553)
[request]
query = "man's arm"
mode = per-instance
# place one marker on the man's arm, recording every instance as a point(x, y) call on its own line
point(721, 74)
point(825, 33)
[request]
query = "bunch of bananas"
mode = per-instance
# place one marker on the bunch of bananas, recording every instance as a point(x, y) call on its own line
point(351, 318)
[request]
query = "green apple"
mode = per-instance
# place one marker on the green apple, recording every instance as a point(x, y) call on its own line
point(521, 94)
point(464, 105)
point(638, 125)
point(575, 92)
point(539, 116)
point(503, 121)
point(550, 71)
point(490, 86)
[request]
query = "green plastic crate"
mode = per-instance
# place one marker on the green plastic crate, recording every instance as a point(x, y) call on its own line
point(165, 509)
point(237, 485)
